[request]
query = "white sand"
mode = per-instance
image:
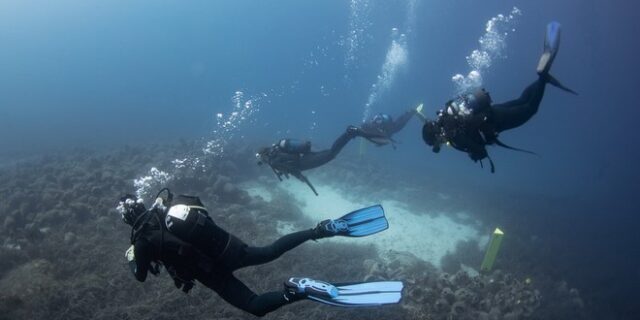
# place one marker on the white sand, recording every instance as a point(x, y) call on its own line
point(257, 190)
point(427, 235)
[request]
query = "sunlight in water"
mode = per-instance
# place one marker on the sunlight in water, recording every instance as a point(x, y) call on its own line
point(358, 25)
point(227, 125)
point(226, 128)
point(396, 59)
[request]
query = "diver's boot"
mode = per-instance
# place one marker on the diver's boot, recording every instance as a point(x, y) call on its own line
point(359, 223)
point(363, 294)
point(329, 228)
point(301, 288)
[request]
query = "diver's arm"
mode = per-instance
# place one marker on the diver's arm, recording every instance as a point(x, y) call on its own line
point(142, 260)
point(472, 143)
point(477, 151)
point(283, 164)
point(277, 173)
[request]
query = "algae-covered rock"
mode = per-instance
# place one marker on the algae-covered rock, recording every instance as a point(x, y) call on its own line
point(22, 288)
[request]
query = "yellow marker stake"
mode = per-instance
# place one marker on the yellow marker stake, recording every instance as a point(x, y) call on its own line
point(492, 250)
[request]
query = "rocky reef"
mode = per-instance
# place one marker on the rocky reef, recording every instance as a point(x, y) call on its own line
point(62, 248)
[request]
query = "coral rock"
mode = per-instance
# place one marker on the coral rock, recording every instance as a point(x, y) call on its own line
point(441, 305)
point(448, 294)
point(69, 237)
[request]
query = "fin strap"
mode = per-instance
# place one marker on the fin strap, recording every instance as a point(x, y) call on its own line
point(500, 143)
point(554, 82)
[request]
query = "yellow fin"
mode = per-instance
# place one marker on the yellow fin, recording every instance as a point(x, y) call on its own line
point(420, 114)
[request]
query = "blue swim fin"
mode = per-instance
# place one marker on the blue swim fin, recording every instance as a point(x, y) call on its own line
point(365, 294)
point(551, 47)
point(359, 223)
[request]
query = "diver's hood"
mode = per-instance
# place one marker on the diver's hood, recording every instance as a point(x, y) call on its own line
point(430, 132)
point(259, 159)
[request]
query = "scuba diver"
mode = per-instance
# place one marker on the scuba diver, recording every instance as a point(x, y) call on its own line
point(179, 235)
point(291, 156)
point(382, 126)
point(472, 122)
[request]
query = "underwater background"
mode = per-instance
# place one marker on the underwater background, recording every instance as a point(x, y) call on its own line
point(95, 94)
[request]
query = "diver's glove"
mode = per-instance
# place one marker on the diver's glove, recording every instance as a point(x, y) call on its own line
point(185, 286)
point(129, 254)
point(182, 282)
point(155, 268)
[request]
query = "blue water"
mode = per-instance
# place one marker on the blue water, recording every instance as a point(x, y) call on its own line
point(99, 74)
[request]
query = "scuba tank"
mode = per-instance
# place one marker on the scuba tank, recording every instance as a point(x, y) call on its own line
point(477, 101)
point(294, 146)
point(188, 219)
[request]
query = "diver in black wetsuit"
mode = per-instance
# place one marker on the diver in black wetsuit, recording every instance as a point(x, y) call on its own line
point(179, 235)
point(382, 127)
point(291, 157)
point(472, 122)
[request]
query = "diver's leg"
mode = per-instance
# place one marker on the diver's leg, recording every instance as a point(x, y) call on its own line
point(259, 255)
point(317, 159)
point(240, 296)
point(402, 121)
point(342, 141)
point(515, 113)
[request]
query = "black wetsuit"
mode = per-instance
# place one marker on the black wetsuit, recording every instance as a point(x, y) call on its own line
point(291, 162)
point(380, 133)
point(472, 133)
point(153, 244)
point(284, 163)
point(512, 114)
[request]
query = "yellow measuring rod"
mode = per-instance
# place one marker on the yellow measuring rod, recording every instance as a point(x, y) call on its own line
point(492, 250)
